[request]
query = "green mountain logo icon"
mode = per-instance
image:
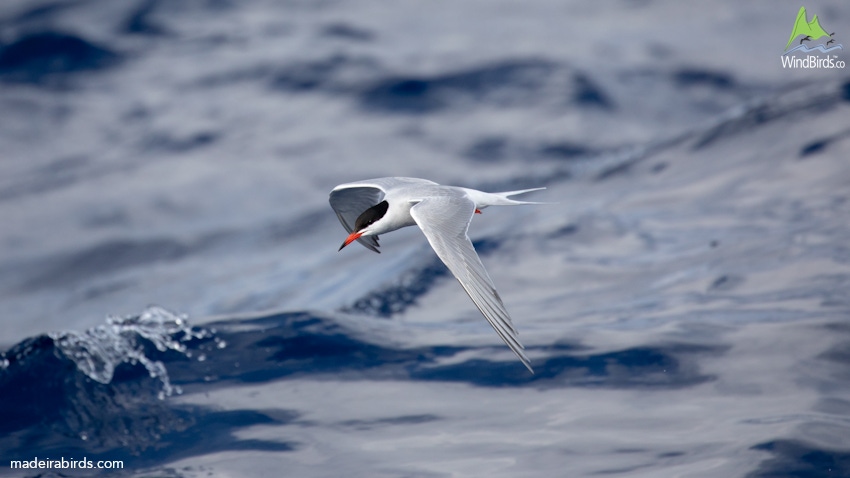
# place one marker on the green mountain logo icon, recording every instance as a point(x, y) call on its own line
point(811, 30)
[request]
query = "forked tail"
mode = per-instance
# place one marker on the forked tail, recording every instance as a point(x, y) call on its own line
point(506, 195)
point(483, 199)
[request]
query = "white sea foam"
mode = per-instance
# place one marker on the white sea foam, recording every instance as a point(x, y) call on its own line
point(99, 350)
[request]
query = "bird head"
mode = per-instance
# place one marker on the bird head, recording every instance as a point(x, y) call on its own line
point(363, 225)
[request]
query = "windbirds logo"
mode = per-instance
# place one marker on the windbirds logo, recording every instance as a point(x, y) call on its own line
point(810, 32)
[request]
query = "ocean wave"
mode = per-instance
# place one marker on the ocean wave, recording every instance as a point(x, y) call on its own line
point(103, 393)
point(99, 350)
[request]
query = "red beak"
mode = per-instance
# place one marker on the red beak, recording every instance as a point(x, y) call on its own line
point(351, 238)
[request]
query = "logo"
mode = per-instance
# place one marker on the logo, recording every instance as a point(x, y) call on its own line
point(804, 39)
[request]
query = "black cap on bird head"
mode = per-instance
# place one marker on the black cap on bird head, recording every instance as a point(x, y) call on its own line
point(364, 220)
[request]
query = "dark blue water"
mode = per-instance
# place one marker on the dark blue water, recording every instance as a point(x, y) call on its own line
point(684, 302)
point(53, 406)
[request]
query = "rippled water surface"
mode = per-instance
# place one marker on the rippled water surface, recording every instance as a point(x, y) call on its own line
point(684, 302)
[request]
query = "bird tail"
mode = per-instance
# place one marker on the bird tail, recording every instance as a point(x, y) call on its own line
point(483, 199)
point(506, 195)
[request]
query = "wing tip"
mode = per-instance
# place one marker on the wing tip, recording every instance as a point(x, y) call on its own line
point(522, 358)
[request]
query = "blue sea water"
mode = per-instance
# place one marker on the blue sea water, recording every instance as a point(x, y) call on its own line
point(684, 302)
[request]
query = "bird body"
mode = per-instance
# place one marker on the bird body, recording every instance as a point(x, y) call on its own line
point(372, 207)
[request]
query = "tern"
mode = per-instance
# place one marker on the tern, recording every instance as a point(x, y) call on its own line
point(443, 213)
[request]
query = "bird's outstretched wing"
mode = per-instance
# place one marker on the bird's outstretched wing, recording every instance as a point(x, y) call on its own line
point(445, 221)
point(349, 200)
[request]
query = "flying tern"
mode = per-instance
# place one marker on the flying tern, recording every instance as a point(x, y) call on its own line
point(377, 206)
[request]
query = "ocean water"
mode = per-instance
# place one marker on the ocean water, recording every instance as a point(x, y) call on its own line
point(172, 298)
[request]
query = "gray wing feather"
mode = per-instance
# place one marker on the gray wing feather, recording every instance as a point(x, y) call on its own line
point(445, 221)
point(349, 203)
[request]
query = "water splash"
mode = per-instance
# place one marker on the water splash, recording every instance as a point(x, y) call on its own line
point(99, 350)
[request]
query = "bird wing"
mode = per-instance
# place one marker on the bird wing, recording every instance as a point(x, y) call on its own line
point(349, 200)
point(445, 221)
